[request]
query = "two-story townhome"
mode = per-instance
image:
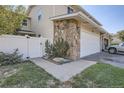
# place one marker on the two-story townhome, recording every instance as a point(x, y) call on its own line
point(83, 32)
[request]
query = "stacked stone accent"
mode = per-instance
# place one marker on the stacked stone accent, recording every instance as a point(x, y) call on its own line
point(69, 30)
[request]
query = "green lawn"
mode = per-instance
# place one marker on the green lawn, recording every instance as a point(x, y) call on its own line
point(100, 75)
point(29, 75)
point(26, 75)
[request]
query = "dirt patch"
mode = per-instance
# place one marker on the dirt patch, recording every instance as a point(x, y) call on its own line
point(7, 72)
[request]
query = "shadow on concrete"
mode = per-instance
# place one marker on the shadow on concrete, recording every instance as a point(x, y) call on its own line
point(104, 55)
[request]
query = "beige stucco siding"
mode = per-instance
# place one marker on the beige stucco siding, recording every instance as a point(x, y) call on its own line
point(60, 9)
point(44, 26)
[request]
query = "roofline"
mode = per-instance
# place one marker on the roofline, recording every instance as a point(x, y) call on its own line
point(87, 14)
point(63, 15)
point(73, 6)
point(80, 15)
point(30, 8)
point(82, 10)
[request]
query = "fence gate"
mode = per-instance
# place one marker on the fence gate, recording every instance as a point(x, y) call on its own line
point(34, 46)
point(28, 46)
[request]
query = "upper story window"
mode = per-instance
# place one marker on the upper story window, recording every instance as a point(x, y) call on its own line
point(70, 10)
point(39, 17)
point(25, 22)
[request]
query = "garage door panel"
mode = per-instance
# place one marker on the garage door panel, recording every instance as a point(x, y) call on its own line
point(90, 43)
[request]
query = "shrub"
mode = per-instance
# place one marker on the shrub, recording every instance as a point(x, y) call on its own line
point(48, 49)
point(12, 58)
point(114, 43)
point(58, 49)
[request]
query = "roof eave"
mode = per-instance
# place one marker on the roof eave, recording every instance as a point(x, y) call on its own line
point(86, 13)
point(79, 15)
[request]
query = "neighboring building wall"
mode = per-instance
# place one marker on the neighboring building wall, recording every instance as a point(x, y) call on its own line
point(69, 31)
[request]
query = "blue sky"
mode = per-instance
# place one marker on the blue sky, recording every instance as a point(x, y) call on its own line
point(111, 17)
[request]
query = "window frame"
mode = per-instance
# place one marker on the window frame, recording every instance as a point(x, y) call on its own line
point(25, 22)
point(39, 17)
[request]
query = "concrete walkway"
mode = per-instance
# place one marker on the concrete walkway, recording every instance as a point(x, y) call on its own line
point(63, 72)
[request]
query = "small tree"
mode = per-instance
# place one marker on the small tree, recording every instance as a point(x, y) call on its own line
point(11, 18)
point(120, 35)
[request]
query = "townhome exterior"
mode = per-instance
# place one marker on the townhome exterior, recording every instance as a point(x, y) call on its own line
point(83, 32)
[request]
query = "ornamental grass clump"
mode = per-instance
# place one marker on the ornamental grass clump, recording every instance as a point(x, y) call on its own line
point(58, 49)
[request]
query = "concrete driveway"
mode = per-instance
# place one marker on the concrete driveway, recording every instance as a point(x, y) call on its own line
point(105, 57)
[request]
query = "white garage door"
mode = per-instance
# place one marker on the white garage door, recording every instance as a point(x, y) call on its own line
point(90, 43)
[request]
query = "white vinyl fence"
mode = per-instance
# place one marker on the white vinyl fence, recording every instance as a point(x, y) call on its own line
point(28, 46)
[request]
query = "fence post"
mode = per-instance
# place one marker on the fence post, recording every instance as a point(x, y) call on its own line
point(27, 37)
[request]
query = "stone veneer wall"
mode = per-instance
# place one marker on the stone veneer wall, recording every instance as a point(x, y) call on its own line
point(69, 30)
